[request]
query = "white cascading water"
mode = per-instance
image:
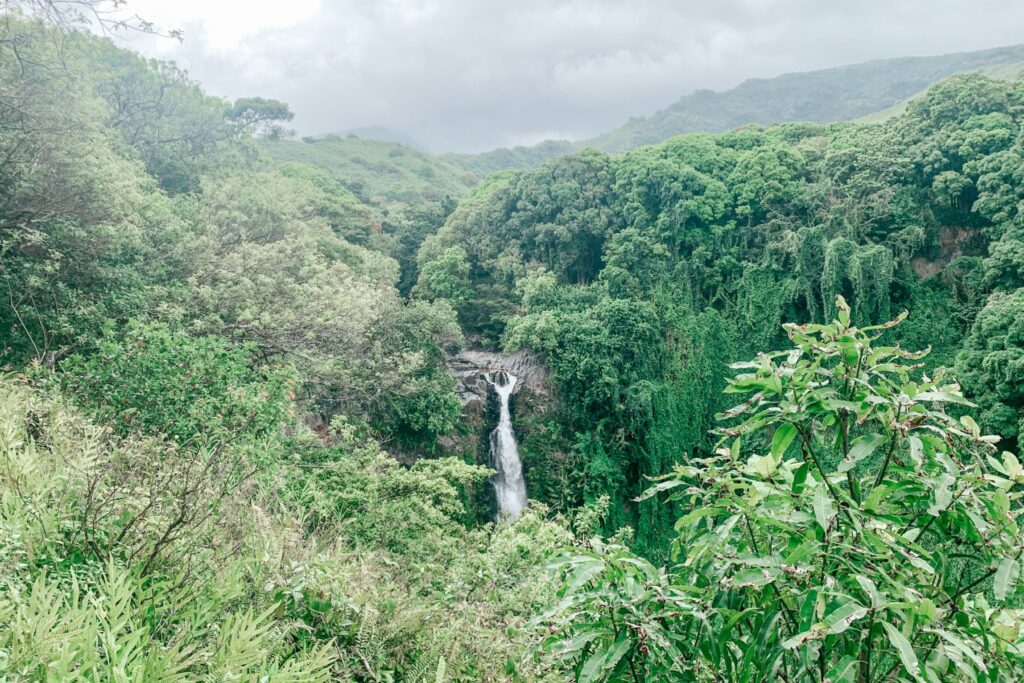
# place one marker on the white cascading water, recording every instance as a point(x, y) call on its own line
point(508, 482)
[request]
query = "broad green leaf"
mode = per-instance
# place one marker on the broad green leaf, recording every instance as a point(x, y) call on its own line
point(824, 509)
point(843, 309)
point(763, 466)
point(842, 618)
point(754, 577)
point(844, 671)
point(870, 588)
point(835, 404)
point(801, 638)
point(801, 551)
point(617, 652)
point(800, 478)
point(1012, 467)
point(1001, 503)
point(1006, 577)
point(575, 644)
point(694, 515)
point(878, 495)
point(659, 488)
point(904, 649)
point(862, 447)
point(927, 611)
point(783, 436)
point(593, 668)
point(942, 397)
point(963, 647)
point(850, 353)
point(943, 495)
point(582, 574)
point(971, 426)
point(916, 451)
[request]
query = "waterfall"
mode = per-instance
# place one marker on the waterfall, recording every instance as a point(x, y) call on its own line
point(508, 482)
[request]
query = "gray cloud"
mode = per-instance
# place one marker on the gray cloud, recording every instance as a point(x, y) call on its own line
point(467, 75)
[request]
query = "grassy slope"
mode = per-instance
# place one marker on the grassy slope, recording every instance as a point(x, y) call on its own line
point(503, 158)
point(378, 171)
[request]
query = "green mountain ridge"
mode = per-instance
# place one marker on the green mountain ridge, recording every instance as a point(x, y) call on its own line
point(867, 91)
point(1013, 71)
point(821, 96)
point(382, 133)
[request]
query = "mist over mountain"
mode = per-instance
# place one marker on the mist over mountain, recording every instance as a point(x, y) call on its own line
point(471, 75)
point(824, 96)
point(838, 94)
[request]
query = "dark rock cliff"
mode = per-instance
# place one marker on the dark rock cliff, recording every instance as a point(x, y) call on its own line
point(533, 392)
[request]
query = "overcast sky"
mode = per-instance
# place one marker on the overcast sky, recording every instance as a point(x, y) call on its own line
point(469, 75)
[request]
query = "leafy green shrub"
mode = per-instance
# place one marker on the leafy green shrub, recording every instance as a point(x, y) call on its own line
point(160, 380)
point(847, 528)
point(991, 363)
point(121, 559)
point(56, 632)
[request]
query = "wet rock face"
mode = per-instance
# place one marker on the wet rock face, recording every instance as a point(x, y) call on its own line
point(532, 395)
point(472, 367)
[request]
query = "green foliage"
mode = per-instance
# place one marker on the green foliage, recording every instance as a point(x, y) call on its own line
point(261, 116)
point(846, 528)
point(620, 629)
point(104, 632)
point(158, 380)
point(446, 278)
point(204, 297)
point(271, 270)
point(991, 364)
point(377, 171)
point(504, 159)
point(864, 274)
point(165, 119)
point(757, 226)
point(156, 562)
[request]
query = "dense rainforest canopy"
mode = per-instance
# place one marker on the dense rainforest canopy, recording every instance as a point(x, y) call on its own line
point(640, 277)
point(230, 448)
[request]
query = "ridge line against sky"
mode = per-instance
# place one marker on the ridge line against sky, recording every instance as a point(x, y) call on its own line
point(472, 75)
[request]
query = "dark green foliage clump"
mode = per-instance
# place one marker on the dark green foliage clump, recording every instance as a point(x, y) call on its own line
point(845, 527)
point(991, 364)
point(155, 379)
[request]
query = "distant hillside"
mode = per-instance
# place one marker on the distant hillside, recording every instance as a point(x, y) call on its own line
point(839, 94)
point(380, 133)
point(378, 162)
point(1005, 72)
point(377, 171)
point(870, 91)
point(503, 159)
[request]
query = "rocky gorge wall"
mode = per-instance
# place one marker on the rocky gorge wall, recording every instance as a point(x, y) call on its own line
point(532, 400)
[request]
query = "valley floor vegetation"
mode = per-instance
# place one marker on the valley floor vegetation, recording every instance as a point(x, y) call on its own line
point(230, 448)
